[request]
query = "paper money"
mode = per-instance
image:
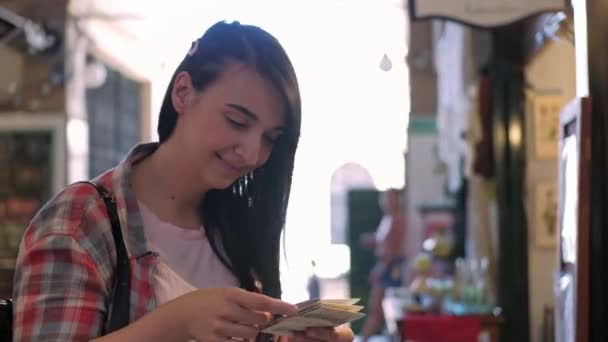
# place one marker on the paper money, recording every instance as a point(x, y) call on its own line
point(316, 313)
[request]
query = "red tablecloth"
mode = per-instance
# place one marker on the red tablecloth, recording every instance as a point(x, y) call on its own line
point(441, 328)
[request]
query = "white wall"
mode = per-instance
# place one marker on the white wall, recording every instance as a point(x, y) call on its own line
point(551, 72)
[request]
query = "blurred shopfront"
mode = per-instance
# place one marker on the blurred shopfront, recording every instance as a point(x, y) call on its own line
point(67, 111)
point(512, 115)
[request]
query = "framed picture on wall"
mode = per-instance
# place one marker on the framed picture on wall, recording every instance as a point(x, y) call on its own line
point(33, 159)
point(546, 214)
point(546, 109)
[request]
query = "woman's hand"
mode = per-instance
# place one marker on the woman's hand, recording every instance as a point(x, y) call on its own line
point(224, 314)
point(209, 315)
point(340, 334)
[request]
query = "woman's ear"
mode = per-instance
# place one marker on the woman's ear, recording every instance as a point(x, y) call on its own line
point(182, 91)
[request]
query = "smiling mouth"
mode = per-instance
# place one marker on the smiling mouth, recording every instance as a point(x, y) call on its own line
point(231, 167)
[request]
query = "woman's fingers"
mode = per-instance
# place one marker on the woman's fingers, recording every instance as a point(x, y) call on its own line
point(340, 334)
point(258, 302)
point(229, 330)
point(302, 337)
point(237, 313)
point(323, 334)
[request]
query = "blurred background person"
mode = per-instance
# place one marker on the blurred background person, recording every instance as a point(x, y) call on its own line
point(388, 244)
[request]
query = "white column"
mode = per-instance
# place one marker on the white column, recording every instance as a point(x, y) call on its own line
point(77, 124)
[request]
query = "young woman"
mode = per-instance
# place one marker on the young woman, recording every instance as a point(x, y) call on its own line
point(201, 212)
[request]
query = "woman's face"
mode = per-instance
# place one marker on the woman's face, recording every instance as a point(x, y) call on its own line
point(229, 128)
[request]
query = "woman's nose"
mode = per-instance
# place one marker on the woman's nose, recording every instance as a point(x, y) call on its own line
point(250, 150)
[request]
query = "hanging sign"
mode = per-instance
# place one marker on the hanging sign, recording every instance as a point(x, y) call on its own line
point(482, 13)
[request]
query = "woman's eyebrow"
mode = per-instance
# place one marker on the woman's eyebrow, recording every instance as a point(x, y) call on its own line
point(253, 116)
point(243, 110)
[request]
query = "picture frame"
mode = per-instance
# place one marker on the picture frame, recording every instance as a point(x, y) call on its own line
point(546, 228)
point(546, 109)
point(33, 148)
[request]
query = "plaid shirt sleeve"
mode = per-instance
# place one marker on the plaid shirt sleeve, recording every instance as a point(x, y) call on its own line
point(63, 272)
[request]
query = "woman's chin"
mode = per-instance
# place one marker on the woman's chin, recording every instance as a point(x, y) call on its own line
point(222, 183)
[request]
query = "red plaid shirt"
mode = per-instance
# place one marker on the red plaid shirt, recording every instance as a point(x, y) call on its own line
point(64, 273)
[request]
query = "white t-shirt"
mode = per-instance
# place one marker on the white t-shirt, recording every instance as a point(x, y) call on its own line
point(187, 261)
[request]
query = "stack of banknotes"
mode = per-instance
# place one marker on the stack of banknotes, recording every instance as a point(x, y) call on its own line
point(316, 313)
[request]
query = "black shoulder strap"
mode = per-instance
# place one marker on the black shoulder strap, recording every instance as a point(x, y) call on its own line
point(6, 319)
point(119, 315)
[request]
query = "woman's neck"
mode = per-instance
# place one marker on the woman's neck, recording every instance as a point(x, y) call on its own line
point(166, 185)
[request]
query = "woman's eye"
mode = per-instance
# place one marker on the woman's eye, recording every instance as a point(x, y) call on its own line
point(237, 124)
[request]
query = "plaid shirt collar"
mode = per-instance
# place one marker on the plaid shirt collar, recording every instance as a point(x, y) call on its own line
point(126, 201)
